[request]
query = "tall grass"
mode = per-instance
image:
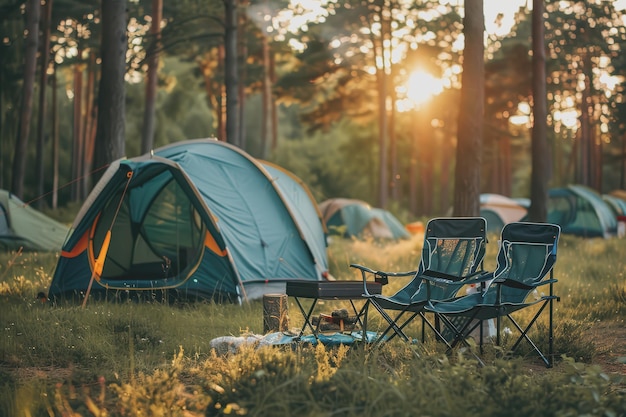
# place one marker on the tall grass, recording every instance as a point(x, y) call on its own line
point(145, 359)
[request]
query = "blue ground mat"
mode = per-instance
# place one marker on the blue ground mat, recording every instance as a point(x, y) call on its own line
point(230, 344)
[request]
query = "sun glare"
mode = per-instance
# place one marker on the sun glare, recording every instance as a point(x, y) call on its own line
point(422, 86)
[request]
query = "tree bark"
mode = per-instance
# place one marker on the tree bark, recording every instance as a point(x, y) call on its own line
point(43, 87)
point(243, 53)
point(110, 137)
point(33, 12)
point(273, 109)
point(89, 126)
point(266, 94)
point(538, 211)
point(470, 128)
point(55, 142)
point(383, 127)
point(77, 131)
point(231, 76)
point(147, 137)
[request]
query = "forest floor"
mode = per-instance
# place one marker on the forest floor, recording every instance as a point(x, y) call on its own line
point(610, 341)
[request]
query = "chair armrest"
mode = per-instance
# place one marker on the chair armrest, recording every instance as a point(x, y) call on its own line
point(479, 277)
point(546, 281)
point(443, 278)
point(365, 269)
point(516, 284)
point(379, 276)
point(437, 280)
point(430, 274)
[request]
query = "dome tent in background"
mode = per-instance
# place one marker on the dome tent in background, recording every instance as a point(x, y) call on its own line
point(199, 219)
point(616, 200)
point(355, 218)
point(21, 226)
point(499, 210)
point(581, 211)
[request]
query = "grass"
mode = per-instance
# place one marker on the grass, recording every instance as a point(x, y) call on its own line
point(152, 359)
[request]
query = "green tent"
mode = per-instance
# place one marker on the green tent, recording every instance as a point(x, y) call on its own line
point(21, 226)
point(581, 211)
point(198, 219)
point(355, 218)
point(617, 204)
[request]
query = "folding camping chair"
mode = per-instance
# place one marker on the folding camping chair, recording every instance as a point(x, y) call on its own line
point(453, 251)
point(525, 262)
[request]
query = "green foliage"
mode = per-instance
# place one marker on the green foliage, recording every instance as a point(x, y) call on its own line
point(334, 164)
point(285, 383)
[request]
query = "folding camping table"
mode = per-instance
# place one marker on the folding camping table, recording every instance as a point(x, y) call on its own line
point(331, 290)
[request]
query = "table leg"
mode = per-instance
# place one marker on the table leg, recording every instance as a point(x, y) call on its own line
point(307, 316)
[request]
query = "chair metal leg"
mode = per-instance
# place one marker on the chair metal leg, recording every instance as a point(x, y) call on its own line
point(524, 335)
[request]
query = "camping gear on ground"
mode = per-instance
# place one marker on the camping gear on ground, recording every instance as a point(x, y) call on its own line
point(349, 291)
point(22, 226)
point(525, 262)
point(224, 345)
point(452, 252)
point(337, 320)
point(355, 218)
point(198, 219)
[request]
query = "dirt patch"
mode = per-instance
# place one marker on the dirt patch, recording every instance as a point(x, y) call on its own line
point(610, 341)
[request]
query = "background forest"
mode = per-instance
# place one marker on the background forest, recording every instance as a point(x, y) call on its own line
point(312, 78)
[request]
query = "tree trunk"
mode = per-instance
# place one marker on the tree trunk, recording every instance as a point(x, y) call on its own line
point(586, 131)
point(426, 162)
point(470, 128)
point(231, 77)
point(55, 142)
point(77, 131)
point(43, 87)
point(110, 137)
point(221, 93)
point(2, 151)
point(243, 53)
point(414, 138)
point(33, 11)
point(393, 150)
point(266, 93)
point(147, 137)
point(541, 175)
point(383, 129)
point(273, 109)
point(89, 126)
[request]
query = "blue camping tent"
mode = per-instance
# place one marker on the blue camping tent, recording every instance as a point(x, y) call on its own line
point(195, 219)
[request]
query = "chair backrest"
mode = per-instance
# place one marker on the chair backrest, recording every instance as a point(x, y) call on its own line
point(454, 246)
point(527, 254)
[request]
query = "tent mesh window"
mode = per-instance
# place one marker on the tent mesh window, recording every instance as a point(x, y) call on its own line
point(160, 239)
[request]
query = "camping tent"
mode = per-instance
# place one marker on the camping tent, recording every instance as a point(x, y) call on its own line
point(581, 211)
point(196, 219)
point(303, 206)
point(616, 201)
point(499, 210)
point(356, 218)
point(21, 226)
